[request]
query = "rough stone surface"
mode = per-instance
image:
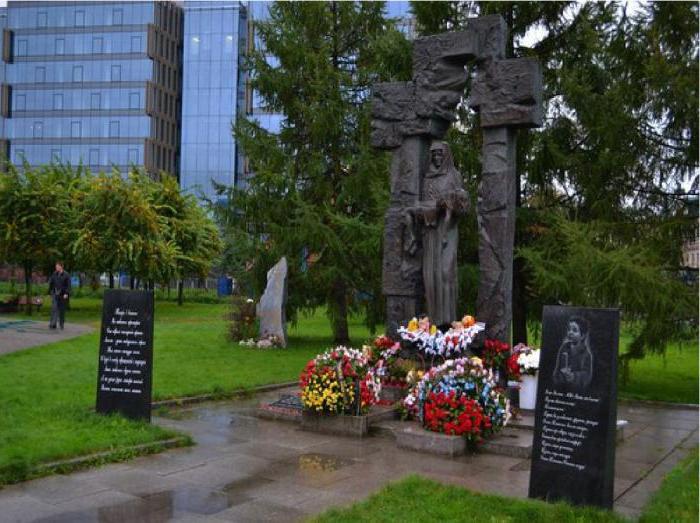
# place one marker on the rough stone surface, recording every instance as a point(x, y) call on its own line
point(417, 438)
point(271, 308)
point(407, 115)
point(496, 221)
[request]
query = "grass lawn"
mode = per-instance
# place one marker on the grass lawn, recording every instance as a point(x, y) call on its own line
point(677, 499)
point(671, 377)
point(47, 393)
point(416, 499)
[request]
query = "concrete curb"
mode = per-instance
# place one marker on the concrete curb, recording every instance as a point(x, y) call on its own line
point(107, 456)
point(191, 400)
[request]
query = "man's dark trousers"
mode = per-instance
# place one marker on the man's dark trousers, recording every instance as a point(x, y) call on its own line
point(58, 311)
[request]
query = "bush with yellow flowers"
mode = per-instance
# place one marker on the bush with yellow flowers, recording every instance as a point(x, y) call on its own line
point(339, 381)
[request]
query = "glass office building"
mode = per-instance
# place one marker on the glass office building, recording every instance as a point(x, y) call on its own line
point(152, 84)
point(215, 42)
point(96, 83)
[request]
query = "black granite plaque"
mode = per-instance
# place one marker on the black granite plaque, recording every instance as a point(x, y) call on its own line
point(573, 451)
point(126, 354)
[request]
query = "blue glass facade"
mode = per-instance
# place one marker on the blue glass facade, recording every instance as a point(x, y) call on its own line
point(147, 83)
point(96, 83)
point(213, 94)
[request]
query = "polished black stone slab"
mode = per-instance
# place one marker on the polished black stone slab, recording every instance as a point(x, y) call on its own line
point(573, 454)
point(125, 367)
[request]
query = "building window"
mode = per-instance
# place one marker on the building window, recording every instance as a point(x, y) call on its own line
point(19, 156)
point(117, 16)
point(116, 75)
point(79, 18)
point(42, 19)
point(134, 101)
point(57, 102)
point(133, 157)
point(22, 47)
point(94, 157)
point(97, 45)
point(40, 75)
point(60, 46)
point(75, 129)
point(95, 101)
point(136, 44)
point(21, 102)
point(77, 73)
point(38, 130)
point(114, 129)
point(56, 155)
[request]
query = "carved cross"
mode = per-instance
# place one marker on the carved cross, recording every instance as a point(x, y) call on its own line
point(408, 115)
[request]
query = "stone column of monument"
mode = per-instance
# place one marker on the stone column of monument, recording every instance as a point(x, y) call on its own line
point(407, 116)
point(507, 94)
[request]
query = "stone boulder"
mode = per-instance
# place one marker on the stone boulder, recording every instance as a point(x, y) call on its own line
point(270, 309)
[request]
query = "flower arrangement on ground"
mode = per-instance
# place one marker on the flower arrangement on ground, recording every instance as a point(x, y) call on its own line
point(388, 366)
point(513, 368)
point(432, 342)
point(266, 342)
point(495, 353)
point(459, 397)
point(339, 381)
point(528, 359)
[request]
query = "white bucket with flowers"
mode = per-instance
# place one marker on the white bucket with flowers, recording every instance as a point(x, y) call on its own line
point(529, 362)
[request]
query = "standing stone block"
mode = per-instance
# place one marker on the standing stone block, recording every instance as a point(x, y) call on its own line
point(271, 309)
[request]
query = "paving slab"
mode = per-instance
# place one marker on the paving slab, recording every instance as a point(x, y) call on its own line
point(247, 469)
point(19, 334)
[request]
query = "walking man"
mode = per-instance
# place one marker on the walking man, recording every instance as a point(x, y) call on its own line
point(59, 289)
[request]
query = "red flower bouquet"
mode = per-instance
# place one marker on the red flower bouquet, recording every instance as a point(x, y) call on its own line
point(455, 414)
point(495, 353)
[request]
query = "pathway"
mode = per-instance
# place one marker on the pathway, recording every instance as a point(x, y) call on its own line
point(247, 469)
point(18, 334)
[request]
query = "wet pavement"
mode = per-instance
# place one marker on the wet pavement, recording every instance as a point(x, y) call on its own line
point(18, 334)
point(247, 469)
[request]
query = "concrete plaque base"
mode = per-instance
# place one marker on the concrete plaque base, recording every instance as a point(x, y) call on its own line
point(355, 426)
point(421, 440)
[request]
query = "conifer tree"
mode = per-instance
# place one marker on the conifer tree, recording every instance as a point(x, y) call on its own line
point(319, 190)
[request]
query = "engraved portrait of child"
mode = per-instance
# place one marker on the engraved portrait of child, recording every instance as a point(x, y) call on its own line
point(574, 365)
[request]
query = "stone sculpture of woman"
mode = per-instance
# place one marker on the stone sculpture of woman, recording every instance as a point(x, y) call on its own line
point(443, 199)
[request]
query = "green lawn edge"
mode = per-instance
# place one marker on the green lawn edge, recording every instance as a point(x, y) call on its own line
point(677, 498)
point(418, 499)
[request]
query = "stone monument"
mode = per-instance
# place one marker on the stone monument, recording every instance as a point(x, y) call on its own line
point(573, 449)
point(407, 117)
point(271, 308)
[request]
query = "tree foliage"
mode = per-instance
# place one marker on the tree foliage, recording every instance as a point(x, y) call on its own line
point(103, 223)
point(319, 191)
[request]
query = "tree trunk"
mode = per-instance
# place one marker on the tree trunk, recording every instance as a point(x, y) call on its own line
point(28, 286)
point(111, 280)
point(132, 282)
point(179, 292)
point(339, 313)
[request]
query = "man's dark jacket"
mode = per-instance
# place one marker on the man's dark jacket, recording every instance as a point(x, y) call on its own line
point(59, 283)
